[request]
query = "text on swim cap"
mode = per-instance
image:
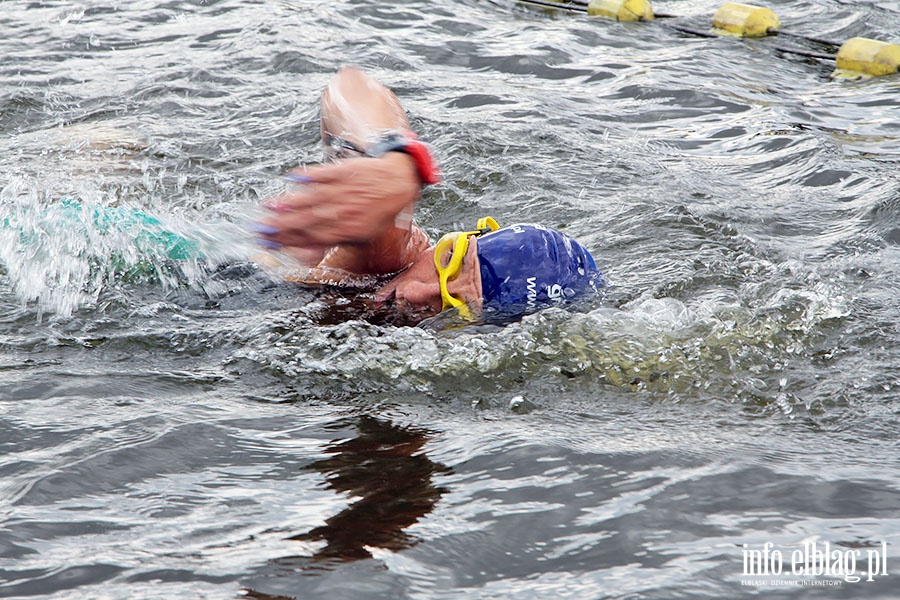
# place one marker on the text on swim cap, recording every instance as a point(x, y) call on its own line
point(531, 288)
point(553, 292)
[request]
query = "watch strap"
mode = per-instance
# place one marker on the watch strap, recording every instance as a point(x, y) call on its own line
point(408, 143)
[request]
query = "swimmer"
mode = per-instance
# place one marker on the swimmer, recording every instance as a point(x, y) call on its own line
point(354, 215)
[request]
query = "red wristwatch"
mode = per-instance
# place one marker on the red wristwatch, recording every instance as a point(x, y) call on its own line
point(408, 143)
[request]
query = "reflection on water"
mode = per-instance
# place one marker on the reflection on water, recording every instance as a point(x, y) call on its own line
point(388, 476)
point(385, 467)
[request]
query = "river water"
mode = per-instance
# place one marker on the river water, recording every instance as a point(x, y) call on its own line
point(194, 428)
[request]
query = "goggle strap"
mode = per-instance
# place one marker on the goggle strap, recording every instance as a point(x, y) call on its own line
point(486, 225)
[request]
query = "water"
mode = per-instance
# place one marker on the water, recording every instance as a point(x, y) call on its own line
point(193, 428)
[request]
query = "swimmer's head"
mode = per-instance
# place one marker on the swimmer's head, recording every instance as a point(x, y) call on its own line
point(496, 276)
point(525, 268)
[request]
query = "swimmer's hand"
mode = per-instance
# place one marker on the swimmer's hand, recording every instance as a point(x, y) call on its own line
point(352, 201)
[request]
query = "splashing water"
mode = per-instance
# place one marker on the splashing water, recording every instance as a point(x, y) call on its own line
point(64, 255)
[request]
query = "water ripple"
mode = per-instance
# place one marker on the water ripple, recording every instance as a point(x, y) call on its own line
point(198, 431)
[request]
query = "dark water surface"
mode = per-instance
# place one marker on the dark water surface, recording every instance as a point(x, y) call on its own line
point(190, 430)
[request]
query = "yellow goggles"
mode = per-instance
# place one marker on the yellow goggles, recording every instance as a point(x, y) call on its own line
point(457, 243)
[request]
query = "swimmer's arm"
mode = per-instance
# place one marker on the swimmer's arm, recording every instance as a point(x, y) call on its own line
point(358, 211)
point(355, 201)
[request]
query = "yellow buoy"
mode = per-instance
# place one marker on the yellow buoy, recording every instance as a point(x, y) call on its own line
point(745, 20)
point(621, 10)
point(862, 56)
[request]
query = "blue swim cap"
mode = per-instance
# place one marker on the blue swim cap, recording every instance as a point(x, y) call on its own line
point(525, 268)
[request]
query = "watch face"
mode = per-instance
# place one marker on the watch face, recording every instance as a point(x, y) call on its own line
point(389, 142)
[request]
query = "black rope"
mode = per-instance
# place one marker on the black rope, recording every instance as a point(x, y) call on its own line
point(808, 38)
point(710, 34)
point(690, 30)
point(550, 4)
point(806, 53)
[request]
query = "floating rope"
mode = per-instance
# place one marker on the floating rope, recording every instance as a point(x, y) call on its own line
point(857, 58)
